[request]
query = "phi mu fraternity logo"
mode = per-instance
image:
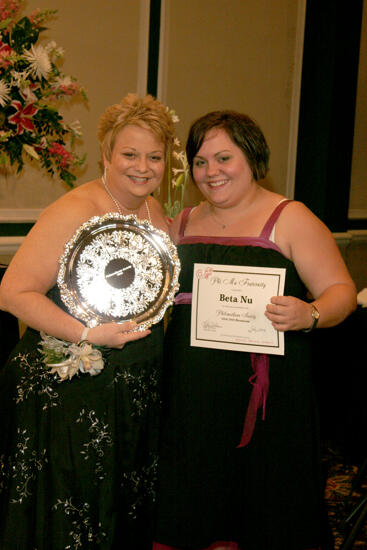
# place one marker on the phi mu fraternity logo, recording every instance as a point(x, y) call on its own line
point(204, 274)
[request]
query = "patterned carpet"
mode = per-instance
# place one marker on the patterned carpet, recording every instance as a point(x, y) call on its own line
point(341, 473)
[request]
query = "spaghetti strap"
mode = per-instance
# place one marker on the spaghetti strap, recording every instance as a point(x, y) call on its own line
point(267, 229)
point(185, 214)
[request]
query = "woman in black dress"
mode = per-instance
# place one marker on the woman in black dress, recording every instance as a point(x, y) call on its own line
point(239, 455)
point(79, 457)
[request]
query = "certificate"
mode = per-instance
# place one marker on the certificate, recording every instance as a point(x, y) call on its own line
point(228, 308)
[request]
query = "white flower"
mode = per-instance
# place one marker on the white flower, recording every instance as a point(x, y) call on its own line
point(4, 93)
point(59, 52)
point(172, 114)
point(176, 142)
point(52, 49)
point(39, 61)
point(181, 156)
point(76, 128)
point(66, 359)
point(50, 46)
point(63, 81)
point(31, 151)
point(28, 95)
point(19, 78)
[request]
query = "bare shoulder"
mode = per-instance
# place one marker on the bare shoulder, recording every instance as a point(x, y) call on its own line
point(300, 219)
point(300, 233)
point(59, 220)
point(78, 203)
point(296, 207)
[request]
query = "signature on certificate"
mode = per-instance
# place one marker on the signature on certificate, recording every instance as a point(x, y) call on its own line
point(210, 325)
point(254, 329)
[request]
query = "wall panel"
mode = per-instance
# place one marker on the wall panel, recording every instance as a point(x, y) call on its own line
point(237, 55)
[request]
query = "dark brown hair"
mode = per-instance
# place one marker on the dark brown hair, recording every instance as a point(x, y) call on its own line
point(242, 130)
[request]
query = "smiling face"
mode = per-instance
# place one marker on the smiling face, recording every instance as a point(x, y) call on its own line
point(137, 163)
point(221, 170)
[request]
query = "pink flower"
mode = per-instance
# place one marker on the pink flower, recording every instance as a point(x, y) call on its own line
point(22, 116)
point(9, 10)
point(70, 89)
point(5, 52)
point(66, 86)
point(64, 157)
point(33, 17)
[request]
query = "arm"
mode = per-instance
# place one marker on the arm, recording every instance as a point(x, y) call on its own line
point(33, 271)
point(312, 248)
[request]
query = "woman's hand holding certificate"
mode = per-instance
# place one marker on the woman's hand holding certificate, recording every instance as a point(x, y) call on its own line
point(228, 305)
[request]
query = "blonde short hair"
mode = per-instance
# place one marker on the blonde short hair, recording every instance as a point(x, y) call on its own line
point(146, 112)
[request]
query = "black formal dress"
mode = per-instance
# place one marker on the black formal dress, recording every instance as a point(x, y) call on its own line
point(265, 495)
point(79, 457)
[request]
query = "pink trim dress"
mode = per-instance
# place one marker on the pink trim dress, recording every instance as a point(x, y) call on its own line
point(239, 451)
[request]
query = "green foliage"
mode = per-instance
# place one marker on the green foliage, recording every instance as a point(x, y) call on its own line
point(24, 34)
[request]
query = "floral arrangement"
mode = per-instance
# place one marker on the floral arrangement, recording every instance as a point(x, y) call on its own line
point(66, 359)
point(31, 87)
point(178, 177)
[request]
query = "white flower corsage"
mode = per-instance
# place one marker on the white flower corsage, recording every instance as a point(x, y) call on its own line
point(66, 358)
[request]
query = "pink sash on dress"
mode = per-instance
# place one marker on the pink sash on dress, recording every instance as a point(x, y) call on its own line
point(259, 361)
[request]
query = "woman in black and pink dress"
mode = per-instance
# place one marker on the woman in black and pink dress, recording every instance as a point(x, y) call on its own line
point(239, 458)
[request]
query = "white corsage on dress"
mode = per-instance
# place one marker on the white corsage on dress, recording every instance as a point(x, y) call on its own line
point(67, 359)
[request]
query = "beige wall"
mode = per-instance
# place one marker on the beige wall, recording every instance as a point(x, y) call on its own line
point(237, 55)
point(101, 43)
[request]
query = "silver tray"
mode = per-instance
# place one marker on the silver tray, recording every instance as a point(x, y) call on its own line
point(117, 268)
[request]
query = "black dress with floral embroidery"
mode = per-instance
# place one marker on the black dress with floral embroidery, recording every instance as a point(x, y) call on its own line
point(78, 458)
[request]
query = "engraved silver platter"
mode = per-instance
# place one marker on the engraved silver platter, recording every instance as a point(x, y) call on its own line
point(117, 268)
